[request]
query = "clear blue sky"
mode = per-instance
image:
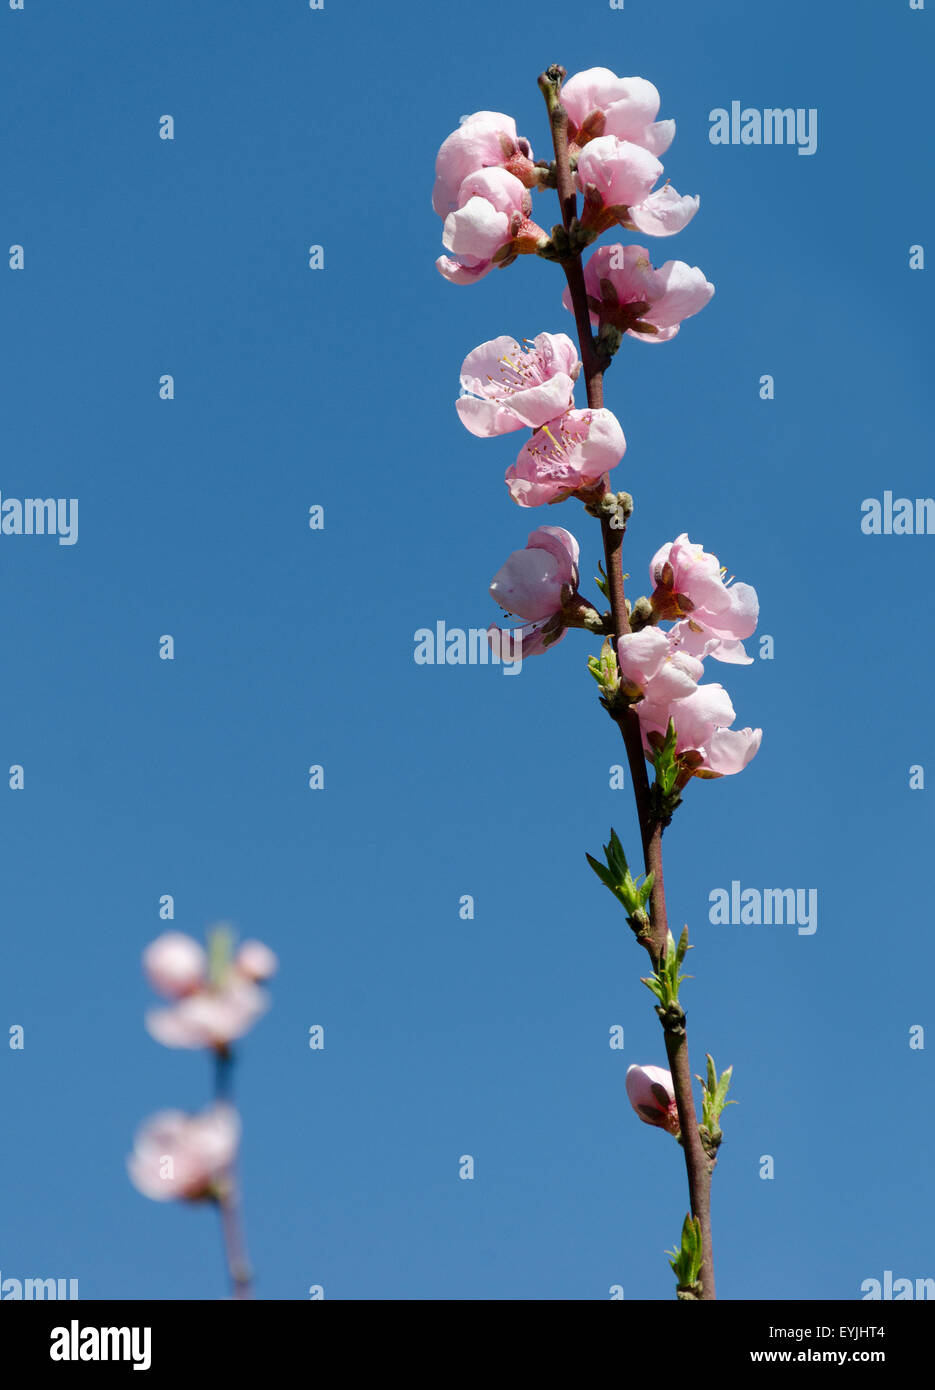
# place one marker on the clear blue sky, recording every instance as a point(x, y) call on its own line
point(294, 387)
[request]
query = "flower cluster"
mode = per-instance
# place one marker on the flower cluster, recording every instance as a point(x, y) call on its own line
point(216, 998)
point(615, 142)
point(485, 175)
point(660, 670)
point(506, 386)
point(206, 1012)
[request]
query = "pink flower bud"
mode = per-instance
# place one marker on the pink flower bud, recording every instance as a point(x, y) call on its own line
point(182, 1156)
point(256, 961)
point(652, 1096)
point(175, 964)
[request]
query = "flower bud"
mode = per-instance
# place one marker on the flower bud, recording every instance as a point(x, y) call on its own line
point(175, 964)
point(652, 1096)
point(256, 961)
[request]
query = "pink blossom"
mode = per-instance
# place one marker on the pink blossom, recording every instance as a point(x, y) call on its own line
point(663, 213)
point(701, 719)
point(701, 723)
point(175, 964)
point(654, 671)
point(715, 616)
point(210, 1017)
point(485, 140)
point(489, 226)
point(255, 961)
point(531, 582)
point(182, 1156)
point(536, 583)
point(727, 751)
point(600, 103)
point(628, 292)
point(620, 172)
point(570, 455)
point(661, 677)
point(616, 178)
point(207, 1011)
point(652, 1096)
point(510, 387)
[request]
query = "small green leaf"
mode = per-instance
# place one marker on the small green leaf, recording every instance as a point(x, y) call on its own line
point(603, 873)
point(617, 878)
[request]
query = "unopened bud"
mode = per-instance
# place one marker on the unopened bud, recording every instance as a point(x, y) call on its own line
point(652, 1096)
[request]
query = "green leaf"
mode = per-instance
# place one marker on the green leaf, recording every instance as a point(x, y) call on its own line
point(686, 1261)
point(220, 954)
point(604, 667)
point(714, 1096)
point(616, 876)
point(604, 874)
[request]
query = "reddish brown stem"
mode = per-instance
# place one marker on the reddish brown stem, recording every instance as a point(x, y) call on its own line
point(234, 1247)
point(698, 1166)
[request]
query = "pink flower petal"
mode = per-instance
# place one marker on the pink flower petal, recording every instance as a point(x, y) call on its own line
point(663, 213)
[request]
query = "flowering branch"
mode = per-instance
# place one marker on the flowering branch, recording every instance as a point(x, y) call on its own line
point(216, 999)
point(606, 141)
point(698, 1167)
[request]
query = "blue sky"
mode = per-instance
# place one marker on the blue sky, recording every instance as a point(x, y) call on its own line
point(336, 387)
